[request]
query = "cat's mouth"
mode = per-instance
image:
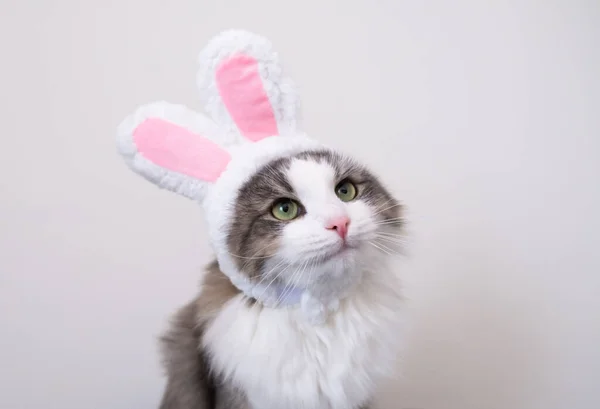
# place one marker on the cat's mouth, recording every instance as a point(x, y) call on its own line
point(338, 251)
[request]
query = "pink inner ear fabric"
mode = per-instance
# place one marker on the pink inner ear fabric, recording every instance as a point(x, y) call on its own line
point(241, 88)
point(176, 148)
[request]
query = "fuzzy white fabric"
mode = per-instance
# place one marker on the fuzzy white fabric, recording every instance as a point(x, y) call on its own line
point(280, 88)
point(282, 362)
point(198, 123)
point(246, 158)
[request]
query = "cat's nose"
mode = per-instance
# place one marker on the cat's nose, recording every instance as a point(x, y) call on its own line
point(340, 225)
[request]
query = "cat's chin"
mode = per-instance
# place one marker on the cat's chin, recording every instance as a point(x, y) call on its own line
point(342, 253)
point(339, 251)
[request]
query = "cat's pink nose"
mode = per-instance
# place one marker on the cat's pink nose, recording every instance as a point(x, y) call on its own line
point(340, 225)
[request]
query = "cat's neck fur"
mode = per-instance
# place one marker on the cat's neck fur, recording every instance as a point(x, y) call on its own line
point(279, 361)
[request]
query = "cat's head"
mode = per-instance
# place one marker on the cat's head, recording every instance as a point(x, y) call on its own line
point(314, 220)
point(286, 214)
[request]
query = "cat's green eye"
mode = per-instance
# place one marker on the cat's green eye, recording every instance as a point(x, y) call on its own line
point(285, 209)
point(346, 191)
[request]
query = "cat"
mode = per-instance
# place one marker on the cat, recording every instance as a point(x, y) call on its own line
point(317, 221)
point(302, 308)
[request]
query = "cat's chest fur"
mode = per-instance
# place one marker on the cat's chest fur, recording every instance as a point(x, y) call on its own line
point(282, 362)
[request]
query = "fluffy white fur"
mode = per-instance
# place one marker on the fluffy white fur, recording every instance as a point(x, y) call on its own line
point(275, 355)
point(278, 357)
point(283, 362)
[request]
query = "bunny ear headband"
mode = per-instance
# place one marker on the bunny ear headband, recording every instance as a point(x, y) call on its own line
point(253, 109)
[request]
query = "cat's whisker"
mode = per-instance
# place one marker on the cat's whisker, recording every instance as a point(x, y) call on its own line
point(311, 270)
point(390, 242)
point(391, 223)
point(391, 235)
point(394, 248)
point(287, 288)
point(256, 257)
point(391, 218)
point(390, 245)
point(399, 240)
point(392, 239)
point(380, 206)
point(390, 232)
point(252, 257)
point(387, 208)
point(273, 280)
point(268, 273)
point(298, 278)
point(397, 221)
point(382, 248)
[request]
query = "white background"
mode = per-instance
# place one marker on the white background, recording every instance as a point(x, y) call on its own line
point(483, 117)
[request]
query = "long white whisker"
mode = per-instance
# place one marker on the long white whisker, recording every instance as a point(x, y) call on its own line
point(268, 273)
point(391, 218)
point(254, 256)
point(397, 221)
point(294, 281)
point(387, 208)
point(380, 248)
point(296, 278)
point(392, 237)
point(389, 240)
point(378, 208)
point(285, 288)
point(384, 241)
point(392, 247)
point(273, 280)
point(311, 270)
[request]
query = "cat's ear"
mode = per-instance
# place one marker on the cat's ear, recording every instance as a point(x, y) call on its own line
point(244, 88)
point(173, 147)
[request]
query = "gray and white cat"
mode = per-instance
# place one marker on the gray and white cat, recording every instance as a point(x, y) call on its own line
point(316, 220)
point(302, 308)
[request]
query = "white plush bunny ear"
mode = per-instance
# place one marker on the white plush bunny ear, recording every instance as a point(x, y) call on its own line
point(244, 89)
point(173, 147)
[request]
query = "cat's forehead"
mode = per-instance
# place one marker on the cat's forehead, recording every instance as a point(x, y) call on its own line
point(302, 173)
point(309, 177)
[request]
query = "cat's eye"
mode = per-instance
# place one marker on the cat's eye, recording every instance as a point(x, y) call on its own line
point(346, 191)
point(285, 209)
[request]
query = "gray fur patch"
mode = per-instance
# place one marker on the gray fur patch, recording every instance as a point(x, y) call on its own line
point(190, 382)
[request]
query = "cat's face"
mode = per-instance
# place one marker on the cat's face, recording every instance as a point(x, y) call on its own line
point(311, 221)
